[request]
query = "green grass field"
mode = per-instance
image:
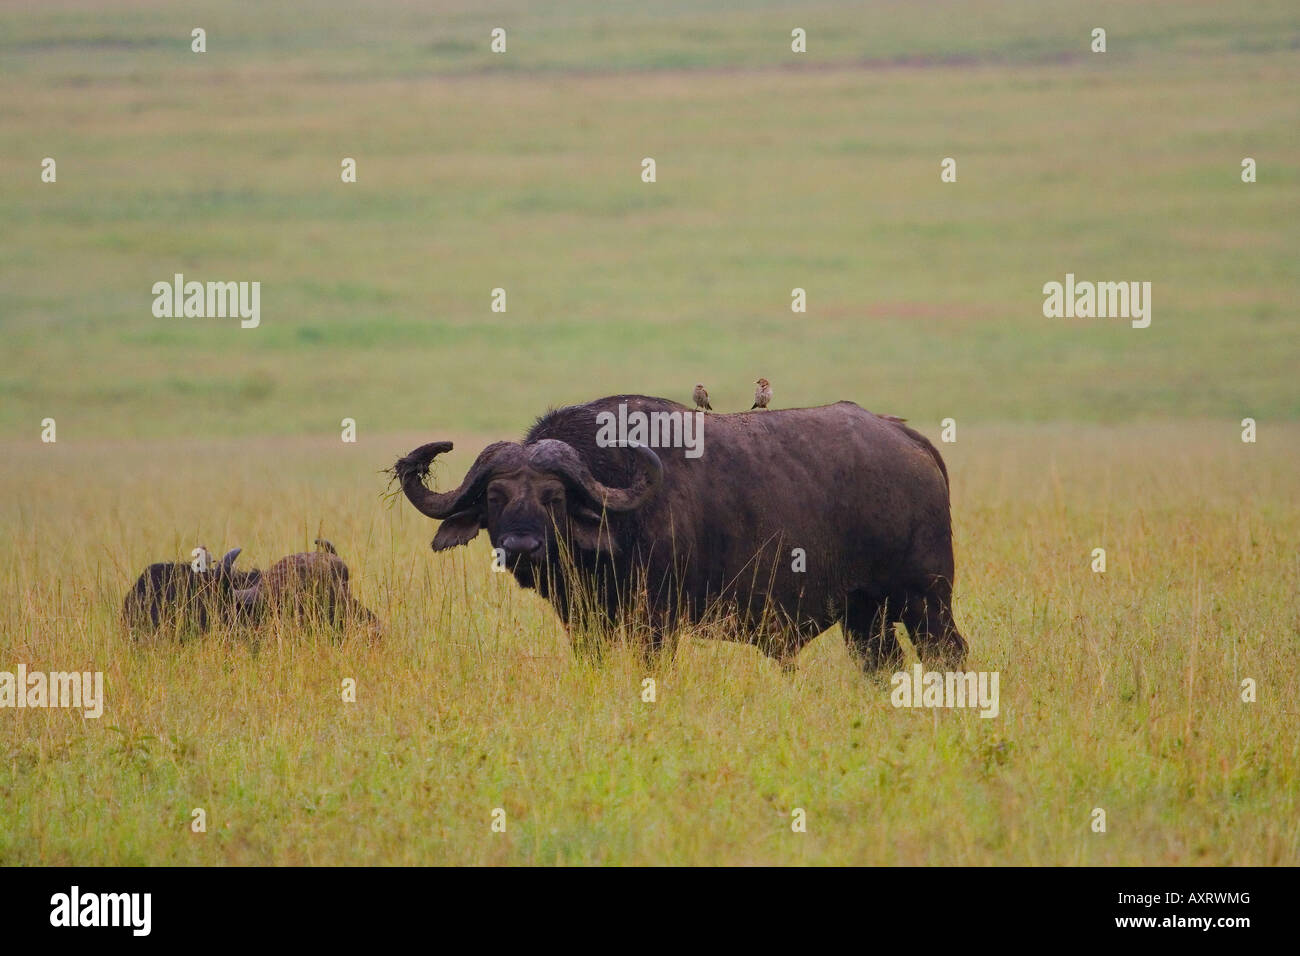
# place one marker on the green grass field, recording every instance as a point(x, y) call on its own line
point(1119, 691)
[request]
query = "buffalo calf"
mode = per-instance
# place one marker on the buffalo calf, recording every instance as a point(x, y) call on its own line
point(310, 586)
point(173, 596)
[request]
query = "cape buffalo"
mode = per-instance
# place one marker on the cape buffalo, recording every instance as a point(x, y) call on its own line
point(174, 596)
point(779, 522)
point(311, 586)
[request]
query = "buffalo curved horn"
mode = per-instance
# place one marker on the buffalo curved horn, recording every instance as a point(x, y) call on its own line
point(551, 454)
point(412, 470)
point(228, 559)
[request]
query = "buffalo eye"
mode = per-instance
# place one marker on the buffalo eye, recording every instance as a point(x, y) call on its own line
point(583, 513)
point(496, 499)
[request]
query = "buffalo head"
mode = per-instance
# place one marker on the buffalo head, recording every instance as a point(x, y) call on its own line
point(527, 496)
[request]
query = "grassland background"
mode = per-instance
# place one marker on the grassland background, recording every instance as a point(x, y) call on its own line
point(775, 171)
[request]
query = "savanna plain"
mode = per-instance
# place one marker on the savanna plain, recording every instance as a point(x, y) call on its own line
point(1120, 691)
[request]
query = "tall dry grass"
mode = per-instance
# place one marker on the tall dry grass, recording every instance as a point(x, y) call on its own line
point(1118, 691)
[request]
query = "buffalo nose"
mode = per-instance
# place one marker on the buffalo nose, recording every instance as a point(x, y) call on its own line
point(524, 544)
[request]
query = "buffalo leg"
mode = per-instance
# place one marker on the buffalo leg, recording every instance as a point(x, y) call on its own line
point(928, 619)
point(868, 625)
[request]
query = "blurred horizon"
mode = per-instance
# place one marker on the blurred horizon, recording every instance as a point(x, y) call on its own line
point(521, 171)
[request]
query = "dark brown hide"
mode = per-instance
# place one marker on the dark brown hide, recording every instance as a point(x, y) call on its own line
point(857, 500)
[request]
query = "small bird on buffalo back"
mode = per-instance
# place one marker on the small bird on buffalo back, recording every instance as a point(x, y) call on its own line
point(702, 398)
point(762, 394)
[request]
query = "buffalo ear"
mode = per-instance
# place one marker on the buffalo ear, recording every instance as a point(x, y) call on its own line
point(461, 528)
